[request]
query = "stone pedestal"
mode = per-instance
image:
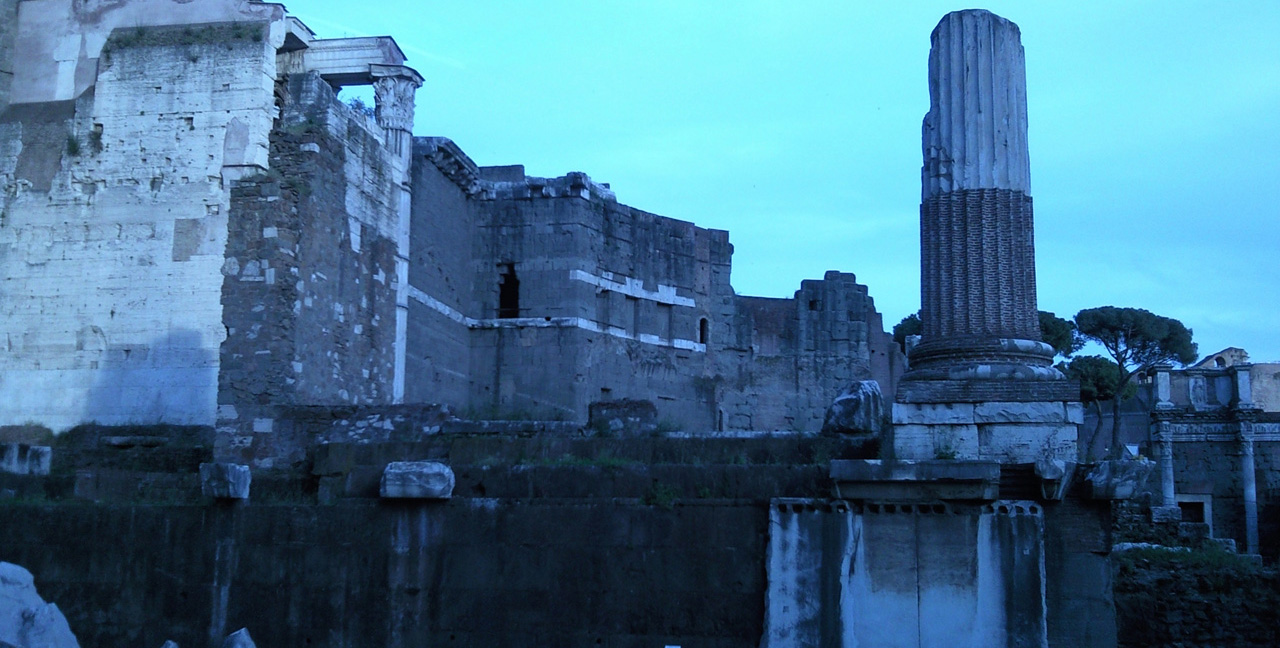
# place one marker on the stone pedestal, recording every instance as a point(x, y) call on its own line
point(1009, 422)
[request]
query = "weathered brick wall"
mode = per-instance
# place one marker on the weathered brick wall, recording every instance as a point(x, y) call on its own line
point(115, 220)
point(310, 276)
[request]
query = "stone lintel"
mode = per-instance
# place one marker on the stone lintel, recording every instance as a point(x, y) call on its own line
point(914, 480)
point(354, 61)
point(297, 35)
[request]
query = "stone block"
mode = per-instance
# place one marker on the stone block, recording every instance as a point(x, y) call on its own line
point(26, 620)
point(24, 459)
point(857, 410)
point(1027, 442)
point(225, 480)
point(417, 480)
point(1075, 413)
point(1166, 514)
point(924, 442)
point(239, 639)
point(1055, 476)
point(904, 480)
point(1005, 412)
point(932, 413)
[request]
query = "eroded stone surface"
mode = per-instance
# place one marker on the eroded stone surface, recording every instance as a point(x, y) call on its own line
point(417, 480)
point(26, 620)
point(1119, 479)
point(859, 409)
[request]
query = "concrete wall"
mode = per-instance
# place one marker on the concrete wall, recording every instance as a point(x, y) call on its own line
point(115, 207)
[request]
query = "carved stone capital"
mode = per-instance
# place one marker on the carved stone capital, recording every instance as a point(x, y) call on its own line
point(394, 99)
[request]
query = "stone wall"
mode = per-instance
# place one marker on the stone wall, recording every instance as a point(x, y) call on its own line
point(441, 275)
point(607, 302)
point(309, 293)
point(115, 214)
point(1195, 598)
point(793, 356)
point(473, 572)
point(8, 33)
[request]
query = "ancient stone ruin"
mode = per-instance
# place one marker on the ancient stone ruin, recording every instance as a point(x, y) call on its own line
point(981, 384)
point(274, 362)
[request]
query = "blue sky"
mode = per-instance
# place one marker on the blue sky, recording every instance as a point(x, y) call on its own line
point(1155, 141)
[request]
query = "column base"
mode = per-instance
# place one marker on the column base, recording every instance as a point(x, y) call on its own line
point(1003, 431)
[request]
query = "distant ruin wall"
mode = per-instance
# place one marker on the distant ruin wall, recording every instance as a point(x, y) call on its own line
point(115, 222)
point(794, 356)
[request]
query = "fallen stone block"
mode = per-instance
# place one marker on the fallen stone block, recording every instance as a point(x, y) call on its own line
point(26, 620)
point(417, 480)
point(858, 410)
point(225, 480)
point(1055, 477)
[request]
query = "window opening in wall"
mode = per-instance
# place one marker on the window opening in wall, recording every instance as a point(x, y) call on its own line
point(631, 309)
point(1192, 512)
point(813, 304)
point(508, 292)
point(1219, 362)
point(702, 331)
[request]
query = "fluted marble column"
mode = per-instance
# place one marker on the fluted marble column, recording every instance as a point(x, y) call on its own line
point(978, 281)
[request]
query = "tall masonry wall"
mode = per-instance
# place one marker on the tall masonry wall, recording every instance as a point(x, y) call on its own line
point(616, 292)
point(794, 356)
point(309, 290)
point(114, 155)
point(441, 275)
point(537, 296)
point(194, 230)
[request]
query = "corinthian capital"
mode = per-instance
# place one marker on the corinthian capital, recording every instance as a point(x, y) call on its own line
point(393, 97)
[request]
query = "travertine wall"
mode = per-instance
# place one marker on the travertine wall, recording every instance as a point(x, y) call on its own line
point(115, 209)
